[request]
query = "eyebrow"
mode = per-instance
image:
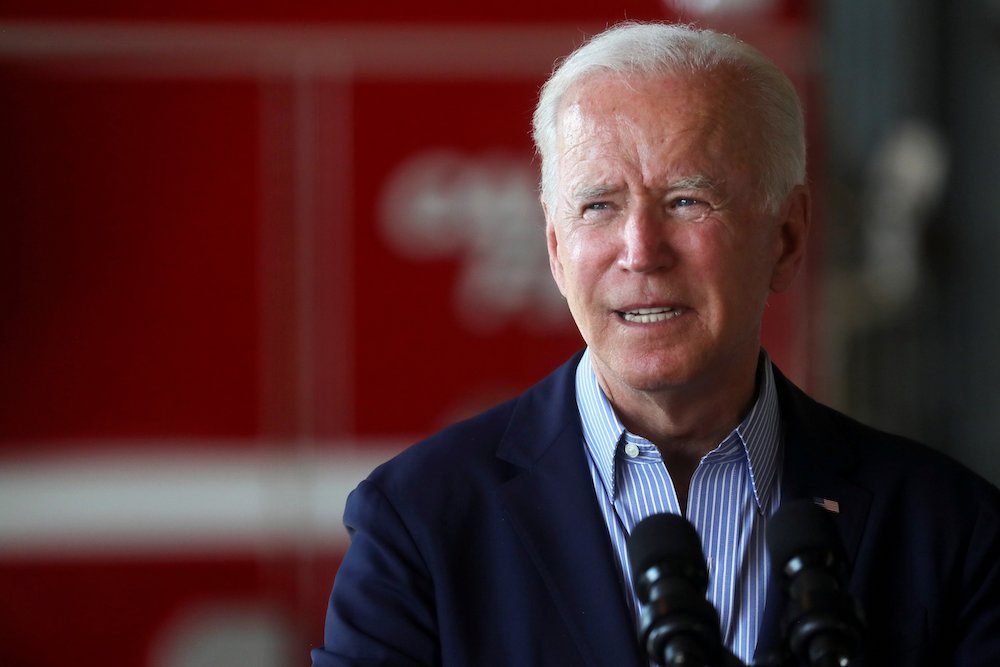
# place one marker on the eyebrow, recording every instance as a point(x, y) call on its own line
point(593, 191)
point(695, 182)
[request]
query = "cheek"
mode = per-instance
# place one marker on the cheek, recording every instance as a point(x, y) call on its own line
point(748, 286)
point(584, 256)
point(733, 269)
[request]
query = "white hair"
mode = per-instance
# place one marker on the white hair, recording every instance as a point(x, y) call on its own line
point(661, 49)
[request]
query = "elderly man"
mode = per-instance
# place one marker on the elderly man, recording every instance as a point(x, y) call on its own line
point(673, 180)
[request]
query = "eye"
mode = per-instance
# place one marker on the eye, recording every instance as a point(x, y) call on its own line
point(688, 208)
point(597, 211)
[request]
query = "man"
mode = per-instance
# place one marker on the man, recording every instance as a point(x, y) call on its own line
point(674, 197)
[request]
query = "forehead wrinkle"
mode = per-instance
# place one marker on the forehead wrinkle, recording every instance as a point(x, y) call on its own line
point(606, 146)
point(579, 129)
point(596, 162)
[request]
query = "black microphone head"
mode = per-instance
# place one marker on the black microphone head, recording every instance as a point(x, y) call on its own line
point(677, 624)
point(800, 528)
point(823, 624)
point(664, 538)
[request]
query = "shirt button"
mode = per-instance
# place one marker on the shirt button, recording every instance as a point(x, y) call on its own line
point(631, 450)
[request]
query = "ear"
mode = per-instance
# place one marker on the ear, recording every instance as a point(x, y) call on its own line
point(793, 234)
point(552, 243)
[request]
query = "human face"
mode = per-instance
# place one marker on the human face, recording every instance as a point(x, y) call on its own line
point(657, 237)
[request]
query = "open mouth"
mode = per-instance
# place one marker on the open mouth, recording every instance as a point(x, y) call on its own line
point(650, 315)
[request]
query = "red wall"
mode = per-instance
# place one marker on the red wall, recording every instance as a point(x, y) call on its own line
point(199, 280)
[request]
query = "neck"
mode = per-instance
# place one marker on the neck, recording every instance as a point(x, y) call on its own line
point(687, 422)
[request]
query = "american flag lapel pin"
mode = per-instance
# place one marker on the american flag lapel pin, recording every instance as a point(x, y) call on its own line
point(828, 505)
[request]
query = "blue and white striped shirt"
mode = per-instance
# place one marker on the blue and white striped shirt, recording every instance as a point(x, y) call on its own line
point(733, 490)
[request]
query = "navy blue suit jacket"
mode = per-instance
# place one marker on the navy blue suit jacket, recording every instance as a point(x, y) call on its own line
point(484, 545)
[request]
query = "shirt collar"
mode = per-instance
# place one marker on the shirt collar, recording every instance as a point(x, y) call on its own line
point(759, 432)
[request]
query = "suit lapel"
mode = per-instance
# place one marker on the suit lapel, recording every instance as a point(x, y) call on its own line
point(817, 464)
point(553, 509)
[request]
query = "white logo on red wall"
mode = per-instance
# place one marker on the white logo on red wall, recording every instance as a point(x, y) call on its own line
point(484, 212)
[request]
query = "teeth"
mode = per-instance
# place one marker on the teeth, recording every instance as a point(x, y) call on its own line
point(650, 315)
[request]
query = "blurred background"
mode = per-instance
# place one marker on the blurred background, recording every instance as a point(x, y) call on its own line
point(250, 250)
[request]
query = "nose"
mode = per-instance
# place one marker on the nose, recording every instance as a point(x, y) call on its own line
point(645, 243)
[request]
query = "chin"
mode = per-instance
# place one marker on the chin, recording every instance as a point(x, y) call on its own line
point(653, 374)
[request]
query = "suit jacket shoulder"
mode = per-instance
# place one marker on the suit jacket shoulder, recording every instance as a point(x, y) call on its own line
point(483, 545)
point(478, 454)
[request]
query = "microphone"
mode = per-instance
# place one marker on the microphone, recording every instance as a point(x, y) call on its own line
point(823, 625)
point(678, 626)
